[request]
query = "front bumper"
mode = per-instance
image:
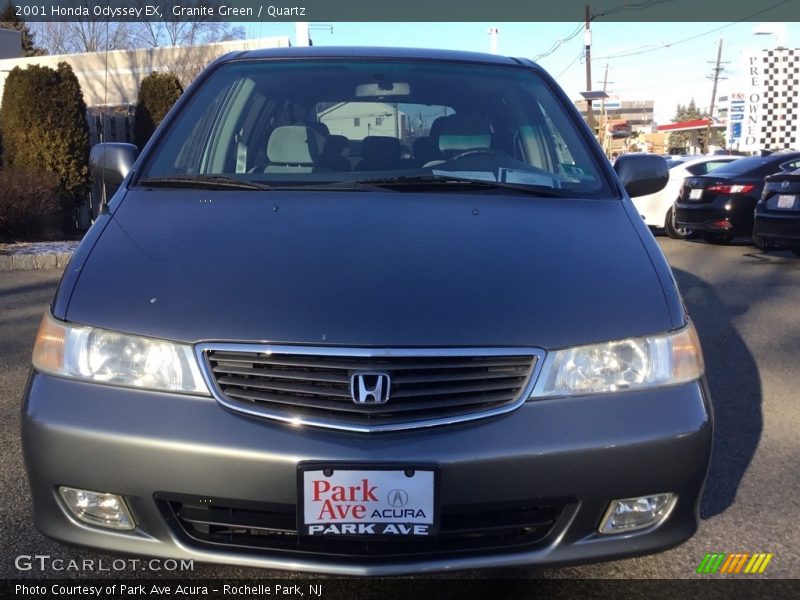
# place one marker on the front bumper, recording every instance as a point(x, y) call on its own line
point(577, 453)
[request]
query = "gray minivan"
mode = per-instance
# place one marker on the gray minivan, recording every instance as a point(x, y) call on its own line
point(369, 311)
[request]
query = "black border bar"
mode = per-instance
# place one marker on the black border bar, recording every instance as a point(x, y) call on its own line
point(406, 10)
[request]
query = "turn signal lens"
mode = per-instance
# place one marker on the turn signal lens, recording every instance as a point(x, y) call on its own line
point(48, 350)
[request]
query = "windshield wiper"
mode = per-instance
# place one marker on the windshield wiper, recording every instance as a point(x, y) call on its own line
point(423, 181)
point(203, 181)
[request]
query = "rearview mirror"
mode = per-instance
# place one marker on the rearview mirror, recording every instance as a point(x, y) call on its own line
point(642, 174)
point(381, 89)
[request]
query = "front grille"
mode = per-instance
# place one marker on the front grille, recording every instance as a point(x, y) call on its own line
point(270, 527)
point(315, 388)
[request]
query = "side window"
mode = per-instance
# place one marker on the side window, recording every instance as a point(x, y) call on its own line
point(697, 170)
point(791, 165)
point(715, 164)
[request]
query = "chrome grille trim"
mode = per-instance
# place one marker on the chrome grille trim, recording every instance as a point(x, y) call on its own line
point(536, 356)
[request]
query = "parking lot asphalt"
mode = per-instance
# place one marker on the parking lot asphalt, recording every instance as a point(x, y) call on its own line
point(745, 305)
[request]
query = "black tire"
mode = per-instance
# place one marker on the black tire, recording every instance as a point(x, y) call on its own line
point(673, 231)
point(796, 251)
point(719, 239)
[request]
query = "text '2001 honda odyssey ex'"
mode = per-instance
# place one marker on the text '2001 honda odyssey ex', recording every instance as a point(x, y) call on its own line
point(369, 311)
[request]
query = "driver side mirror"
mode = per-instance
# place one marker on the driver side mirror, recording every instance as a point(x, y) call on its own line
point(110, 163)
point(642, 174)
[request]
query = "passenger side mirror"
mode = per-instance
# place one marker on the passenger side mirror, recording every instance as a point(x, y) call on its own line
point(110, 163)
point(642, 174)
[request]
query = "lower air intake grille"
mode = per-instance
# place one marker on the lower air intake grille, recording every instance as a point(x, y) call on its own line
point(472, 528)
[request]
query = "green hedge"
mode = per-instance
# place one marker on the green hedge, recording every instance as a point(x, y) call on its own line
point(157, 93)
point(29, 205)
point(43, 127)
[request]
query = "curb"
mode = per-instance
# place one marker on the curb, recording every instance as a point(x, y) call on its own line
point(31, 262)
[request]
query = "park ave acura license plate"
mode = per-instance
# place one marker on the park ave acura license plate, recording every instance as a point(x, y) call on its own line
point(366, 502)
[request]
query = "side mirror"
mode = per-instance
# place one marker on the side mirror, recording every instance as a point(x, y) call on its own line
point(642, 174)
point(110, 163)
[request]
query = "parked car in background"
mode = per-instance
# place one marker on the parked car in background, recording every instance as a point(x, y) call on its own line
point(720, 205)
point(473, 357)
point(656, 209)
point(777, 216)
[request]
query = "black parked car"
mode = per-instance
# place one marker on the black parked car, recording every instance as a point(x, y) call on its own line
point(777, 215)
point(720, 205)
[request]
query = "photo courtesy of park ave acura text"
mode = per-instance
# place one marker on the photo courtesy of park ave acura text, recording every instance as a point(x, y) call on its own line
point(295, 299)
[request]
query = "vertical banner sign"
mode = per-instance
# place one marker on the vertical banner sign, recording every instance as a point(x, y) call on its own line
point(751, 123)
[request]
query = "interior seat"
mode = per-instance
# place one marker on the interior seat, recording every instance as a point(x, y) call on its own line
point(463, 132)
point(380, 153)
point(293, 149)
point(333, 154)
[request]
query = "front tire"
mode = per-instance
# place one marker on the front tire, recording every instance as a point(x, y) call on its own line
point(672, 230)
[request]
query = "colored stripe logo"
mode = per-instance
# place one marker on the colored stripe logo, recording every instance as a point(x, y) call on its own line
point(734, 563)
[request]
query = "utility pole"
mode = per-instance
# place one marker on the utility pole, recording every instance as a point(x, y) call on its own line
point(603, 119)
point(718, 68)
point(587, 43)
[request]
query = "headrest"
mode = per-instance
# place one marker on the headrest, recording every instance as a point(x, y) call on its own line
point(380, 146)
point(336, 144)
point(317, 126)
point(294, 144)
point(463, 131)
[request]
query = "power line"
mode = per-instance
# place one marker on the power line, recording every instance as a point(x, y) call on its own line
point(574, 60)
point(557, 44)
point(694, 37)
point(629, 6)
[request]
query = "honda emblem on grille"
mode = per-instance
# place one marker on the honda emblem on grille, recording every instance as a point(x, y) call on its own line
point(370, 388)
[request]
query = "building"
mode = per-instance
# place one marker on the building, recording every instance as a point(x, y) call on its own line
point(10, 43)
point(693, 129)
point(357, 120)
point(113, 78)
point(763, 110)
point(636, 112)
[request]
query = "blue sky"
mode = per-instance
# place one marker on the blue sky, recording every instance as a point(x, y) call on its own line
point(658, 61)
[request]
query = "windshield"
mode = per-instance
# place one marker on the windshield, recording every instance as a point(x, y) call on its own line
point(309, 123)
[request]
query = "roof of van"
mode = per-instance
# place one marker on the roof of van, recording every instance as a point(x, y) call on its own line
point(374, 52)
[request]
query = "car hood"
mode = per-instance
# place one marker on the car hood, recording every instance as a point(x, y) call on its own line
point(370, 269)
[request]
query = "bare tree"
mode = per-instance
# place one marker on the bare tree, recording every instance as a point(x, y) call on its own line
point(153, 34)
point(176, 31)
point(83, 36)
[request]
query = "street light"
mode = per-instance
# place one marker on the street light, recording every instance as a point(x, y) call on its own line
point(493, 32)
point(776, 29)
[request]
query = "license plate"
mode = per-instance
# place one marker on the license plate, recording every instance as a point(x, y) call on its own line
point(786, 200)
point(696, 194)
point(336, 501)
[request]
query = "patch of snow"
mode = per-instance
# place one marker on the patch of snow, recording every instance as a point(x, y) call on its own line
point(39, 247)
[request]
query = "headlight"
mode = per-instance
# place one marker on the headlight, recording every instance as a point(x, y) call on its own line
point(622, 365)
point(103, 356)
